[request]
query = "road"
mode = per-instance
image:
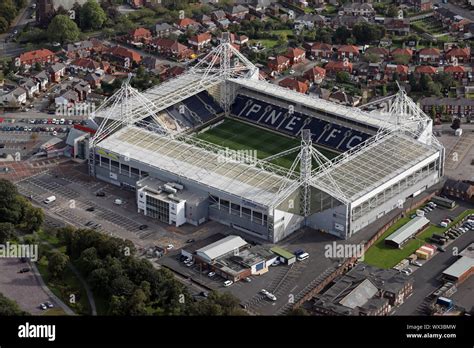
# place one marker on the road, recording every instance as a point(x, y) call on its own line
point(427, 277)
point(464, 12)
point(12, 49)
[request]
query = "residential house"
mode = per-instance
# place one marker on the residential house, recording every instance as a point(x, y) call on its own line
point(315, 75)
point(42, 79)
point(82, 88)
point(200, 41)
point(93, 79)
point(463, 190)
point(296, 55)
point(67, 97)
point(429, 55)
point(458, 72)
point(294, 84)
point(397, 26)
point(81, 49)
point(309, 21)
point(348, 51)
point(207, 22)
point(31, 86)
point(136, 4)
point(240, 40)
point(174, 71)
point(461, 55)
point(187, 23)
point(425, 70)
point(278, 64)
point(422, 5)
point(218, 15)
point(123, 57)
point(40, 56)
point(380, 52)
point(404, 52)
point(140, 35)
point(321, 50)
point(359, 9)
point(347, 21)
point(57, 71)
point(172, 48)
point(333, 67)
point(237, 13)
point(163, 29)
point(392, 70)
point(15, 97)
point(84, 65)
point(449, 106)
point(341, 97)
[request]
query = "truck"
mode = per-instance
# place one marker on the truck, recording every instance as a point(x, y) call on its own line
point(49, 200)
point(444, 301)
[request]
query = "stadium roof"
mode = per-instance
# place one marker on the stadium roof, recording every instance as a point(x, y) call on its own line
point(221, 247)
point(408, 230)
point(195, 163)
point(319, 104)
point(373, 165)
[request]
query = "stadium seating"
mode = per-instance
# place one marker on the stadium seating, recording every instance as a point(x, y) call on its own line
point(202, 105)
point(335, 136)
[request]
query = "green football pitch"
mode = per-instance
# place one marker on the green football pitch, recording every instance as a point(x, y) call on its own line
point(237, 135)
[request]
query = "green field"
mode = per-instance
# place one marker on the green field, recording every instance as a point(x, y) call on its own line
point(384, 256)
point(237, 135)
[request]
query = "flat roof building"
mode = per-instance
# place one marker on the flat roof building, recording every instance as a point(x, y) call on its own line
point(227, 245)
point(463, 268)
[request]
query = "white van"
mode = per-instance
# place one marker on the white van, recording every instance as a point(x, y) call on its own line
point(303, 256)
point(49, 200)
point(118, 201)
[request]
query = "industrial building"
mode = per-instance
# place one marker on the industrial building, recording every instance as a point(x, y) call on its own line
point(401, 236)
point(364, 290)
point(463, 268)
point(386, 157)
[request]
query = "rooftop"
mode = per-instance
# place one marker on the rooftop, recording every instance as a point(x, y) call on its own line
point(407, 230)
point(196, 163)
point(222, 247)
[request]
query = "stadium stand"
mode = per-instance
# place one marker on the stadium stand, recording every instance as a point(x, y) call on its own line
point(335, 136)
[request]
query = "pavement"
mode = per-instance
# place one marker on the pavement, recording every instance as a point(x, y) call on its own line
point(428, 277)
point(27, 289)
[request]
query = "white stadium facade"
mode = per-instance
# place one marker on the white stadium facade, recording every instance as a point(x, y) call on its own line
point(146, 142)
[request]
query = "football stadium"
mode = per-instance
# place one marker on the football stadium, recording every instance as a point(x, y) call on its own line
point(220, 143)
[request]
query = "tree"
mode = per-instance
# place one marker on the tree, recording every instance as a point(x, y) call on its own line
point(343, 77)
point(341, 35)
point(7, 232)
point(8, 10)
point(456, 123)
point(9, 307)
point(62, 29)
point(3, 25)
point(92, 15)
point(300, 311)
point(392, 11)
point(371, 58)
point(10, 207)
point(32, 217)
point(218, 304)
point(57, 263)
point(365, 33)
point(401, 59)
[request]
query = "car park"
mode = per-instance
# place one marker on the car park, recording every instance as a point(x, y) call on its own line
point(228, 283)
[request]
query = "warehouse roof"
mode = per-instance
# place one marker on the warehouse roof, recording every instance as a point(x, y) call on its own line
point(408, 230)
point(222, 247)
point(460, 267)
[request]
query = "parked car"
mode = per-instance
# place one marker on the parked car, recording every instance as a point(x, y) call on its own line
point(169, 246)
point(264, 292)
point(90, 209)
point(248, 279)
point(276, 263)
point(441, 248)
point(24, 270)
point(43, 307)
point(49, 304)
point(416, 263)
point(211, 274)
point(228, 283)
point(204, 294)
point(100, 194)
point(190, 241)
point(271, 297)
point(143, 227)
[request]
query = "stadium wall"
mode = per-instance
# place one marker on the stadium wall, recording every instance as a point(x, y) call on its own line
point(285, 223)
point(334, 221)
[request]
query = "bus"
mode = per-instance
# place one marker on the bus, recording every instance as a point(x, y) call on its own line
point(444, 202)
